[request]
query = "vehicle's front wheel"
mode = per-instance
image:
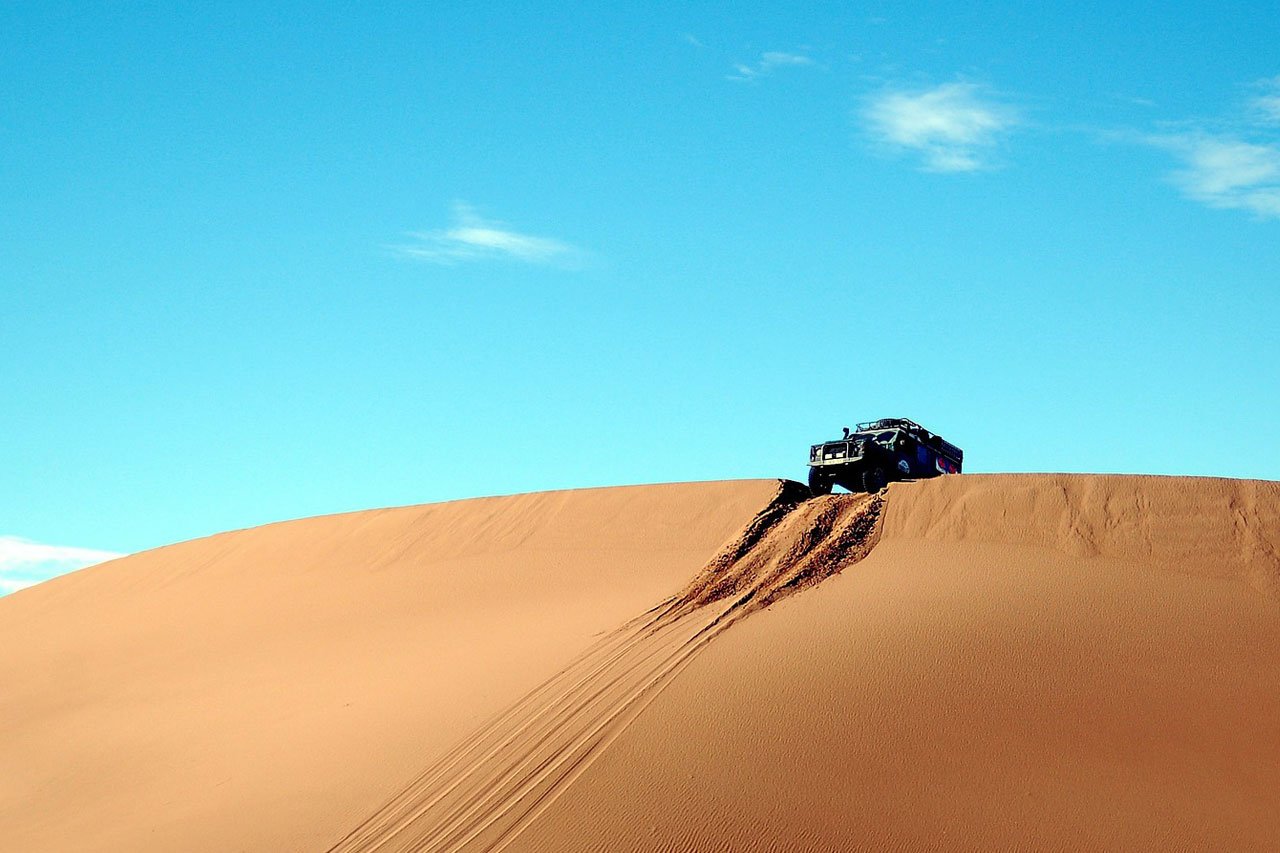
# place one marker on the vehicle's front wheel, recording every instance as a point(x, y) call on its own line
point(818, 482)
point(873, 480)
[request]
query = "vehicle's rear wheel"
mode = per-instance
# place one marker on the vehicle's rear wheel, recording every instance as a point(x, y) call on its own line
point(819, 484)
point(873, 480)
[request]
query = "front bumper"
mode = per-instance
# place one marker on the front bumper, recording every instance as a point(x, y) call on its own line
point(835, 453)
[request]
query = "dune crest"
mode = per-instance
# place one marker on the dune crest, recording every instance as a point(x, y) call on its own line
point(1203, 526)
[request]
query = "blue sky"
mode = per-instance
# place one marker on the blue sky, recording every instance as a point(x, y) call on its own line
point(267, 264)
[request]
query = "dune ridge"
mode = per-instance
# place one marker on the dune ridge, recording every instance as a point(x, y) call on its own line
point(1203, 526)
point(498, 780)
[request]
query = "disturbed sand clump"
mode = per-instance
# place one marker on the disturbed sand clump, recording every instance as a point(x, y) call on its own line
point(794, 543)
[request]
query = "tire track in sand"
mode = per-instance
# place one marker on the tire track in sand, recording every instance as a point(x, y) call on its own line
point(482, 793)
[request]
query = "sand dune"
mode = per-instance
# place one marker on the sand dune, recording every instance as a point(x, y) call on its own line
point(1039, 661)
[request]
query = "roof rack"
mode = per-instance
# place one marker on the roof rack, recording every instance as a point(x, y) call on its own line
point(892, 423)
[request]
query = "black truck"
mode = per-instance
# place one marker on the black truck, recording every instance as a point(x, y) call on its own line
point(879, 452)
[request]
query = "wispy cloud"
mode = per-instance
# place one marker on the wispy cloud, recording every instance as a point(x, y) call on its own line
point(768, 62)
point(473, 238)
point(1225, 172)
point(1135, 100)
point(1266, 106)
point(1230, 162)
point(24, 563)
point(953, 127)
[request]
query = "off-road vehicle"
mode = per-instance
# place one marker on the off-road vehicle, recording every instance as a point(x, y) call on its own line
point(878, 453)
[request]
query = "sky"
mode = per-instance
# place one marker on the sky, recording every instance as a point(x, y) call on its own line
point(265, 263)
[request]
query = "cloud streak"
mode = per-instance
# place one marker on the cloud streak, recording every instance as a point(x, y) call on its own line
point(1266, 107)
point(472, 238)
point(953, 127)
point(1232, 163)
point(24, 563)
point(769, 61)
point(1226, 172)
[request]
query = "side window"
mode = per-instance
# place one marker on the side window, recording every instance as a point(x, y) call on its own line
point(922, 454)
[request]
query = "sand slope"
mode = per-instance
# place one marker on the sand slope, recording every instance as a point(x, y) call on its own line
point(1039, 661)
point(498, 781)
point(267, 689)
point(1050, 662)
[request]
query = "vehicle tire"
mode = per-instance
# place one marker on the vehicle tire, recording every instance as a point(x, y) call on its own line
point(818, 482)
point(873, 480)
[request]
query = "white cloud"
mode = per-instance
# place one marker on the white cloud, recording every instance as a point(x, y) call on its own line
point(769, 61)
point(1266, 107)
point(1231, 162)
point(1136, 101)
point(472, 238)
point(1223, 171)
point(1269, 107)
point(24, 563)
point(776, 59)
point(953, 126)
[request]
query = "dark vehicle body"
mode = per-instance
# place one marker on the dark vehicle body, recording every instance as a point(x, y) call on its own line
point(878, 453)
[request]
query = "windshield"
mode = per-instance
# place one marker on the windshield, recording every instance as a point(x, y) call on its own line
point(885, 438)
